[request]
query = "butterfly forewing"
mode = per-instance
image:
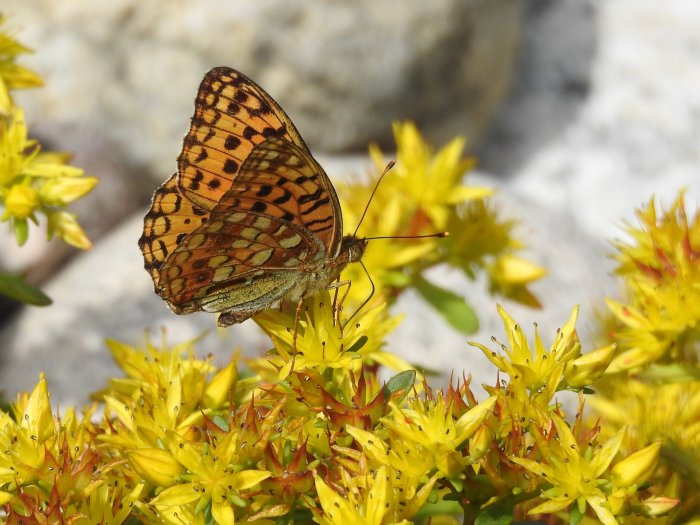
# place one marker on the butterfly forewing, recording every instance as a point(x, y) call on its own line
point(232, 115)
point(170, 219)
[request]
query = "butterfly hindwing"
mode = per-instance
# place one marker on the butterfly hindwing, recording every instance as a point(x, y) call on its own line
point(283, 180)
point(232, 115)
point(220, 262)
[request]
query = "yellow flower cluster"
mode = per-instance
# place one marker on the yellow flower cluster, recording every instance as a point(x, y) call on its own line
point(571, 464)
point(33, 181)
point(661, 272)
point(313, 435)
point(652, 388)
point(421, 195)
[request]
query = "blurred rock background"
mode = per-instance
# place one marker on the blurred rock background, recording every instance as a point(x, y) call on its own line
point(578, 110)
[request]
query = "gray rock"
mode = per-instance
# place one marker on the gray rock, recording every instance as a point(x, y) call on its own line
point(128, 70)
point(121, 77)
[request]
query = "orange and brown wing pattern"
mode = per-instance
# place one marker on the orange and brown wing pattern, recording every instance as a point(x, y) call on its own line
point(232, 115)
point(170, 219)
point(226, 256)
point(283, 180)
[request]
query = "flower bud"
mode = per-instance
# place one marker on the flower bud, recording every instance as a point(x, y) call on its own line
point(21, 201)
point(638, 467)
point(516, 270)
point(480, 443)
point(658, 506)
point(587, 368)
point(155, 465)
point(66, 227)
point(60, 191)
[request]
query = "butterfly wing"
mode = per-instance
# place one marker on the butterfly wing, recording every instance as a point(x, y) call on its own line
point(232, 115)
point(237, 262)
point(170, 219)
point(277, 223)
point(249, 215)
point(283, 180)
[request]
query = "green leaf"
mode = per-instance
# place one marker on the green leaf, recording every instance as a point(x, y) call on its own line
point(21, 229)
point(16, 288)
point(674, 373)
point(453, 308)
point(358, 344)
point(220, 422)
point(499, 514)
point(402, 381)
point(440, 508)
point(575, 515)
point(502, 512)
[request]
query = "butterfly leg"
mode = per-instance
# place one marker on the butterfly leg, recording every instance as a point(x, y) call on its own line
point(338, 305)
point(297, 315)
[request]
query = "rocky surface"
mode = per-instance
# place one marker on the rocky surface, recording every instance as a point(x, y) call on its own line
point(604, 113)
point(121, 78)
point(343, 71)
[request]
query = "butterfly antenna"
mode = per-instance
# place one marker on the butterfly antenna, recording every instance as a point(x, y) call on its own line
point(428, 236)
point(371, 282)
point(388, 167)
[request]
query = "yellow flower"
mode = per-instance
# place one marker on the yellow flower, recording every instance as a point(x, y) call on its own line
point(370, 500)
point(654, 412)
point(417, 197)
point(60, 191)
point(20, 202)
point(107, 505)
point(16, 151)
point(406, 462)
point(662, 276)
point(13, 76)
point(431, 425)
point(575, 475)
point(431, 180)
point(536, 369)
point(31, 180)
point(27, 441)
point(212, 477)
point(322, 343)
point(170, 390)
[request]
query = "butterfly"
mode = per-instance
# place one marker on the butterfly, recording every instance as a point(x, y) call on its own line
point(250, 220)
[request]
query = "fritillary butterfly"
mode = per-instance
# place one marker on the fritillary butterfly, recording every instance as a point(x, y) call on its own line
point(250, 219)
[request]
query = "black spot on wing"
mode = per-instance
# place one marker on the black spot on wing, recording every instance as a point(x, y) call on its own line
point(230, 166)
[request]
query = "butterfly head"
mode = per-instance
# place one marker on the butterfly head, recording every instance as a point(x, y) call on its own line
point(354, 247)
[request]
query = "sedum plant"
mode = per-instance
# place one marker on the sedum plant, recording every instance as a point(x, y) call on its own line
point(423, 194)
point(315, 436)
point(33, 182)
point(652, 387)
